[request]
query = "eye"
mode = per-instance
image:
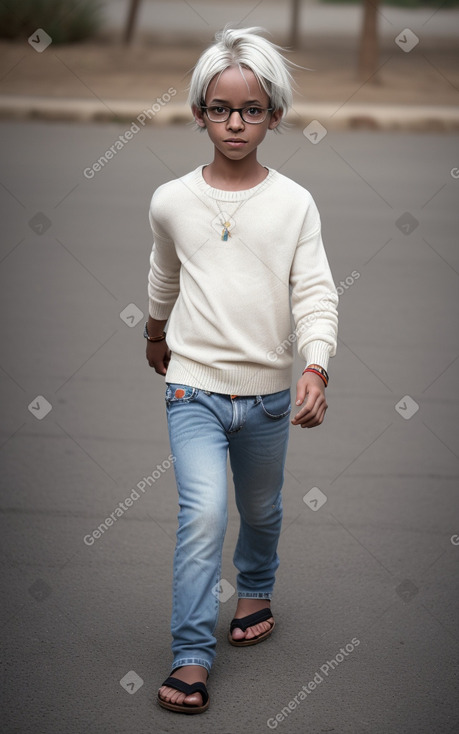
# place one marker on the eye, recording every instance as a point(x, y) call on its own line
point(253, 112)
point(218, 110)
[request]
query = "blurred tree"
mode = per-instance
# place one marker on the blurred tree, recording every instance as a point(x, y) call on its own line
point(135, 4)
point(368, 55)
point(368, 61)
point(131, 20)
point(294, 23)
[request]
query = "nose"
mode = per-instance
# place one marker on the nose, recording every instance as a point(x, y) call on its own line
point(235, 121)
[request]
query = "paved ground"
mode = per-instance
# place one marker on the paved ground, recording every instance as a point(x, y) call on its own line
point(371, 572)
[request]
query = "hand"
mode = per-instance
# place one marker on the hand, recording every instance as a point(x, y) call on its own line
point(158, 356)
point(313, 412)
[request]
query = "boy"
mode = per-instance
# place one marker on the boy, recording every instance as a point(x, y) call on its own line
point(237, 250)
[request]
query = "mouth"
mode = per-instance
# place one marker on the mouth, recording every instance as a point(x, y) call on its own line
point(235, 142)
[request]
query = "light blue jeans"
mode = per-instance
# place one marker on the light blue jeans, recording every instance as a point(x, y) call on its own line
point(203, 427)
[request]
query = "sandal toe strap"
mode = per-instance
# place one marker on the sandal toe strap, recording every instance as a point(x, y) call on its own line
point(262, 616)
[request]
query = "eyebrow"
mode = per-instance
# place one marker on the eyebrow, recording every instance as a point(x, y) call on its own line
point(227, 104)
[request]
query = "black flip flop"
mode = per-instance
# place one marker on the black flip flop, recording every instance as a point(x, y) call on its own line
point(188, 689)
point(262, 616)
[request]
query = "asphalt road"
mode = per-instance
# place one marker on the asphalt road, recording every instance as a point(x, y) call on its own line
point(367, 591)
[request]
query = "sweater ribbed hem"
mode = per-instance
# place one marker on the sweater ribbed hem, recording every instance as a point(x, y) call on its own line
point(242, 380)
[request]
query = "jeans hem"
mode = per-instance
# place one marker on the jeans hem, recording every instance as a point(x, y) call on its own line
point(254, 595)
point(180, 662)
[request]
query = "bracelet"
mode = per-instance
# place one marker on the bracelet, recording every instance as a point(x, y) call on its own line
point(316, 372)
point(153, 338)
point(320, 369)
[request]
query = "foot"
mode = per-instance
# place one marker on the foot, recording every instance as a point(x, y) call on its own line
point(189, 674)
point(243, 609)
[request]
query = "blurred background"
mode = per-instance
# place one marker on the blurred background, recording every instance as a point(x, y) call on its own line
point(402, 52)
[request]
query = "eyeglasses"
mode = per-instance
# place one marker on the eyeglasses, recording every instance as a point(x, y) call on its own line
point(251, 114)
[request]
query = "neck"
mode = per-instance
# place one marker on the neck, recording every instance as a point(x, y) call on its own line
point(229, 175)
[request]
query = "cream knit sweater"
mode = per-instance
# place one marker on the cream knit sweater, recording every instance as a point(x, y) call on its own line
point(230, 303)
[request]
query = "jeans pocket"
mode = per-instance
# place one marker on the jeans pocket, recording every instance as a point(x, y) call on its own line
point(180, 393)
point(276, 405)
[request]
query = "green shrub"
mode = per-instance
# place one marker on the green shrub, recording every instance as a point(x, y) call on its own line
point(66, 21)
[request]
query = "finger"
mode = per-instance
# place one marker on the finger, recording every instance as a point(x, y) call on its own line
point(309, 417)
point(309, 409)
point(306, 420)
point(158, 367)
point(316, 420)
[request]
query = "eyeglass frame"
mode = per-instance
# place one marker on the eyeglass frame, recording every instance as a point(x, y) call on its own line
point(239, 110)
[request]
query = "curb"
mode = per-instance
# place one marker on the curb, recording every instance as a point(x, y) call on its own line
point(333, 116)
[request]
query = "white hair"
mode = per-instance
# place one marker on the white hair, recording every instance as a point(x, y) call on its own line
point(245, 48)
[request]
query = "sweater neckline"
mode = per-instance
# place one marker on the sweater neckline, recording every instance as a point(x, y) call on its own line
point(223, 195)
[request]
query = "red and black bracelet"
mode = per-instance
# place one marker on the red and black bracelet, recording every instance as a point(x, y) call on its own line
point(318, 370)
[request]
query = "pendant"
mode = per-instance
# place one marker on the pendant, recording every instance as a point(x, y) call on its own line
point(225, 232)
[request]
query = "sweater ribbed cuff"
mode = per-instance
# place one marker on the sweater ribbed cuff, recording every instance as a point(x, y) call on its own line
point(318, 352)
point(159, 311)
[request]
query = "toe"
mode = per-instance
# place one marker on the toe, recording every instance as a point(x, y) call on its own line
point(194, 700)
point(172, 695)
point(258, 629)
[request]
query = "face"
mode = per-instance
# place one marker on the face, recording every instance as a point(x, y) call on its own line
point(236, 139)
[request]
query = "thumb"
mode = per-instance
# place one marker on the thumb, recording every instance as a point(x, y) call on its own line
point(300, 392)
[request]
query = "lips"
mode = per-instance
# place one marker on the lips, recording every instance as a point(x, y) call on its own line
point(235, 140)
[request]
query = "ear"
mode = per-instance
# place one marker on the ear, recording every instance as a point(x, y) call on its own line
point(198, 116)
point(275, 120)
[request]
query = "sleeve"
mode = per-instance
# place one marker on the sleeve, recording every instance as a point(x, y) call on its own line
point(314, 295)
point(164, 275)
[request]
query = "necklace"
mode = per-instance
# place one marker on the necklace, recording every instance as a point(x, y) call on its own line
point(227, 221)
